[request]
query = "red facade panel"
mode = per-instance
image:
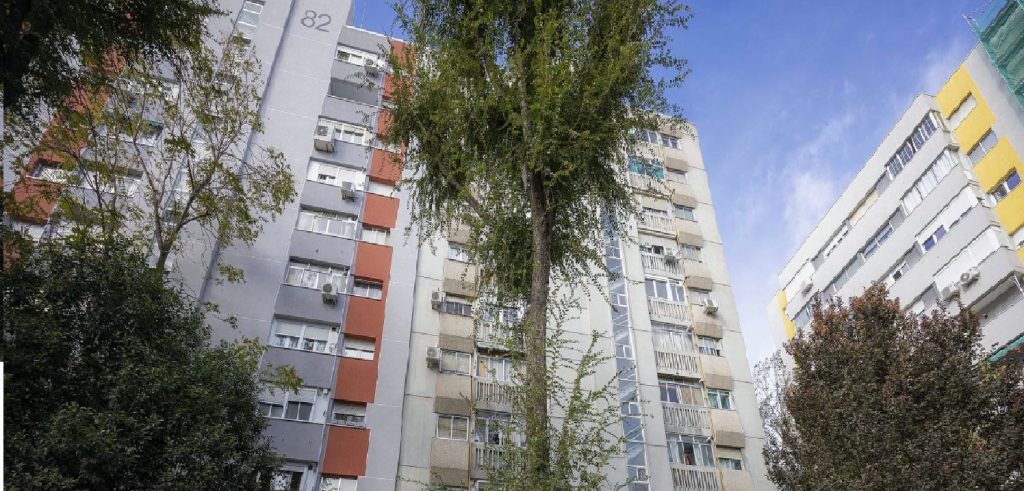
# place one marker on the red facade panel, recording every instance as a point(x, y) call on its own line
point(385, 167)
point(380, 211)
point(346, 451)
point(357, 379)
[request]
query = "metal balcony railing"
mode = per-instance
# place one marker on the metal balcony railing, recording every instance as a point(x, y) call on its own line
point(694, 420)
point(658, 263)
point(693, 478)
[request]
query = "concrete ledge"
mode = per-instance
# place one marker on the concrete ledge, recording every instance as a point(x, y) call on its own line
point(717, 373)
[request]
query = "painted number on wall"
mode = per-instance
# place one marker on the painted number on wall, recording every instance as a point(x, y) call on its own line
point(314, 20)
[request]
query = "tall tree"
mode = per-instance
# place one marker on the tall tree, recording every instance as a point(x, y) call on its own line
point(516, 118)
point(882, 399)
point(111, 381)
point(49, 46)
point(164, 152)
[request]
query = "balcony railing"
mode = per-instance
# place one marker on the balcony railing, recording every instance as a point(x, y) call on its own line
point(695, 420)
point(693, 478)
point(658, 263)
point(646, 183)
point(676, 363)
point(493, 392)
point(485, 457)
point(657, 223)
point(677, 312)
point(496, 334)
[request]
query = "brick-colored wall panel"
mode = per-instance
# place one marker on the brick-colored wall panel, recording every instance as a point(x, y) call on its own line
point(346, 451)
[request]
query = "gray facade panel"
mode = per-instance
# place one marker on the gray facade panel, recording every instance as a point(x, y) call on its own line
point(307, 304)
point(322, 248)
point(366, 41)
point(315, 369)
point(347, 154)
point(295, 440)
point(355, 108)
point(326, 197)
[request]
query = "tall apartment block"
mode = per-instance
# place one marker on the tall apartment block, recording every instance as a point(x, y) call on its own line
point(936, 213)
point(690, 415)
point(401, 379)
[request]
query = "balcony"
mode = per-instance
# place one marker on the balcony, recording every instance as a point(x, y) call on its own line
point(661, 224)
point(693, 478)
point(683, 418)
point(497, 335)
point(657, 263)
point(668, 311)
point(486, 457)
point(647, 183)
point(680, 365)
point(491, 394)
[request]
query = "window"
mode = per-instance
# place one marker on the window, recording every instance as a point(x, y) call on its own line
point(691, 253)
point(332, 483)
point(249, 18)
point(456, 362)
point(289, 479)
point(983, 147)
point(647, 136)
point(285, 404)
point(315, 276)
point(347, 132)
point(686, 393)
point(376, 235)
point(719, 399)
point(362, 349)
point(961, 112)
point(669, 141)
point(495, 368)
point(665, 289)
point(456, 308)
point(653, 249)
point(353, 415)
point(646, 167)
point(699, 297)
point(933, 239)
point(929, 179)
point(690, 450)
point(490, 427)
point(327, 223)
point(897, 273)
point(667, 336)
point(685, 212)
point(1009, 183)
point(298, 335)
point(458, 252)
point(709, 346)
point(51, 172)
point(912, 144)
point(451, 427)
point(367, 289)
point(877, 239)
point(335, 175)
point(730, 464)
point(355, 56)
point(675, 175)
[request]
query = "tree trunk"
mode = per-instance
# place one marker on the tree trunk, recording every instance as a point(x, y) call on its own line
point(538, 453)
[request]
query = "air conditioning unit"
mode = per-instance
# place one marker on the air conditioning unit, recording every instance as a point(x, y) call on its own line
point(436, 299)
point(371, 65)
point(323, 139)
point(710, 306)
point(433, 356)
point(806, 286)
point(970, 276)
point(329, 295)
point(950, 292)
point(348, 191)
point(672, 257)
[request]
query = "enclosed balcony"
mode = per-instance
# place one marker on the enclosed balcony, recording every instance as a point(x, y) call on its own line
point(674, 354)
point(685, 418)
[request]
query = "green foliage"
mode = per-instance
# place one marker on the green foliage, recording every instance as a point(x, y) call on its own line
point(517, 118)
point(880, 399)
point(196, 180)
point(111, 382)
point(49, 46)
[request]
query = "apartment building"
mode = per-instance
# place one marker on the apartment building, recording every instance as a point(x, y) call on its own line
point(936, 213)
point(689, 413)
point(401, 373)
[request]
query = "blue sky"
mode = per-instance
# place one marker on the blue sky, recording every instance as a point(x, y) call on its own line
point(789, 99)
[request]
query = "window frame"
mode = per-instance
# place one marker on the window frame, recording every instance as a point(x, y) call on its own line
point(684, 212)
point(1004, 187)
point(287, 405)
point(458, 252)
point(358, 352)
point(674, 290)
point(452, 419)
point(375, 235)
point(716, 398)
point(458, 357)
point(985, 145)
point(678, 388)
point(300, 340)
point(333, 272)
point(462, 306)
point(365, 288)
point(707, 345)
point(702, 447)
point(313, 217)
point(734, 464)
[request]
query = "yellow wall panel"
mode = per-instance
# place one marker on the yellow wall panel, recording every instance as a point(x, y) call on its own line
point(954, 91)
point(981, 118)
point(1010, 210)
point(974, 126)
point(997, 164)
point(787, 324)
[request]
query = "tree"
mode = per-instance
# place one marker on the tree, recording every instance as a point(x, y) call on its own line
point(49, 47)
point(164, 152)
point(516, 118)
point(882, 399)
point(111, 381)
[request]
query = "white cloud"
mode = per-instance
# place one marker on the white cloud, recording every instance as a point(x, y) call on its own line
point(939, 64)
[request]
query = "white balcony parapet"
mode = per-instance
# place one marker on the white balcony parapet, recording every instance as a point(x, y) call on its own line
point(647, 183)
point(486, 457)
point(695, 420)
point(493, 392)
point(676, 312)
point(657, 223)
point(658, 263)
point(693, 478)
point(677, 363)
